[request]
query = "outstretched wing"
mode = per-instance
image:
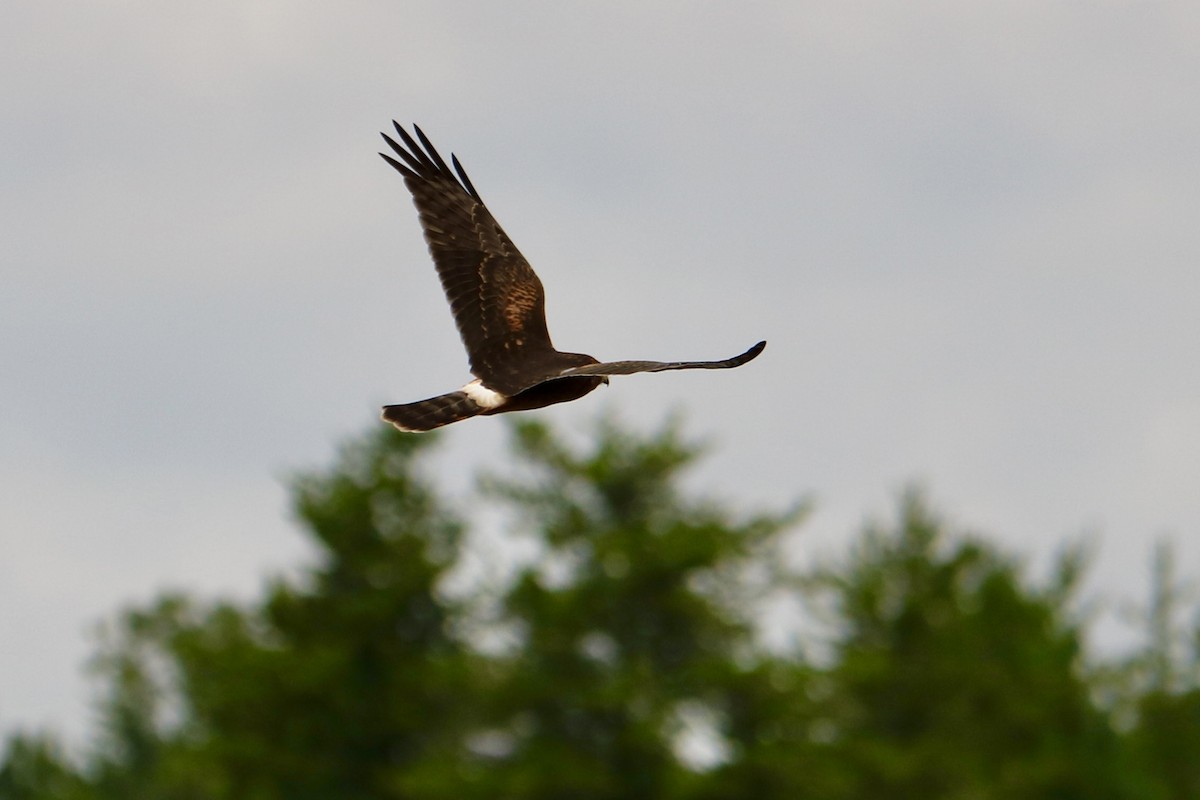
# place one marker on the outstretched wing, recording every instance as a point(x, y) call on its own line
point(630, 367)
point(497, 300)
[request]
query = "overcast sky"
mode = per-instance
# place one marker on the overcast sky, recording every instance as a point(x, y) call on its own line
point(968, 231)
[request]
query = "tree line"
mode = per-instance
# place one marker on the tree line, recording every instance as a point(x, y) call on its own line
point(626, 657)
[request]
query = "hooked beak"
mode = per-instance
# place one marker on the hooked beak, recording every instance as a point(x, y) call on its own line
point(604, 379)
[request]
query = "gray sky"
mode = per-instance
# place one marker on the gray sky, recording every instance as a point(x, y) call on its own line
point(968, 232)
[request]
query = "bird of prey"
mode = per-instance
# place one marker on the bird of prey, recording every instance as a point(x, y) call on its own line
point(497, 302)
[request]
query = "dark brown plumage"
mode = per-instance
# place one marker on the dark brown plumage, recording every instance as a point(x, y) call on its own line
point(497, 302)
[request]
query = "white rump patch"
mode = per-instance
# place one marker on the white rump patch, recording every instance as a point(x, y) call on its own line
point(482, 396)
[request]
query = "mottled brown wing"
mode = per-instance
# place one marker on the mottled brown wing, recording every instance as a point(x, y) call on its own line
point(631, 367)
point(497, 300)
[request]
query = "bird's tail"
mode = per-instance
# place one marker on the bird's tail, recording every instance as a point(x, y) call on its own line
point(425, 415)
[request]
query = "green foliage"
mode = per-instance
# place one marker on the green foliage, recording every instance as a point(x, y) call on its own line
point(636, 633)
point(952, 679)
point(1166, 700)
point(35, 768)
point(622, 660)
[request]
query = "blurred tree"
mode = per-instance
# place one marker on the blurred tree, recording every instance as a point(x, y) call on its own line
point(622, 659)
point(1167, 741)
point(632, 625)
point(348, 682)
point(35, 768)
point(1166, 681)
point(952, 679)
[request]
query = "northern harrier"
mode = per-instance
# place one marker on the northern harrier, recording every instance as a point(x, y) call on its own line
point(498, 305)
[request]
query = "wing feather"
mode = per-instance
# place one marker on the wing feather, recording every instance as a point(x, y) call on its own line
point(632, 367)
point(496, 298)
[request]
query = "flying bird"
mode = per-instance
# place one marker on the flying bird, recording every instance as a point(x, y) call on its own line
point(498, 305)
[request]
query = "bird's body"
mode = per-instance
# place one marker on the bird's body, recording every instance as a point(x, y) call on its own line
point(498, 305)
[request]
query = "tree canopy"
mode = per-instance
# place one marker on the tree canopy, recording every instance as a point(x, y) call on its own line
point(624, 658)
